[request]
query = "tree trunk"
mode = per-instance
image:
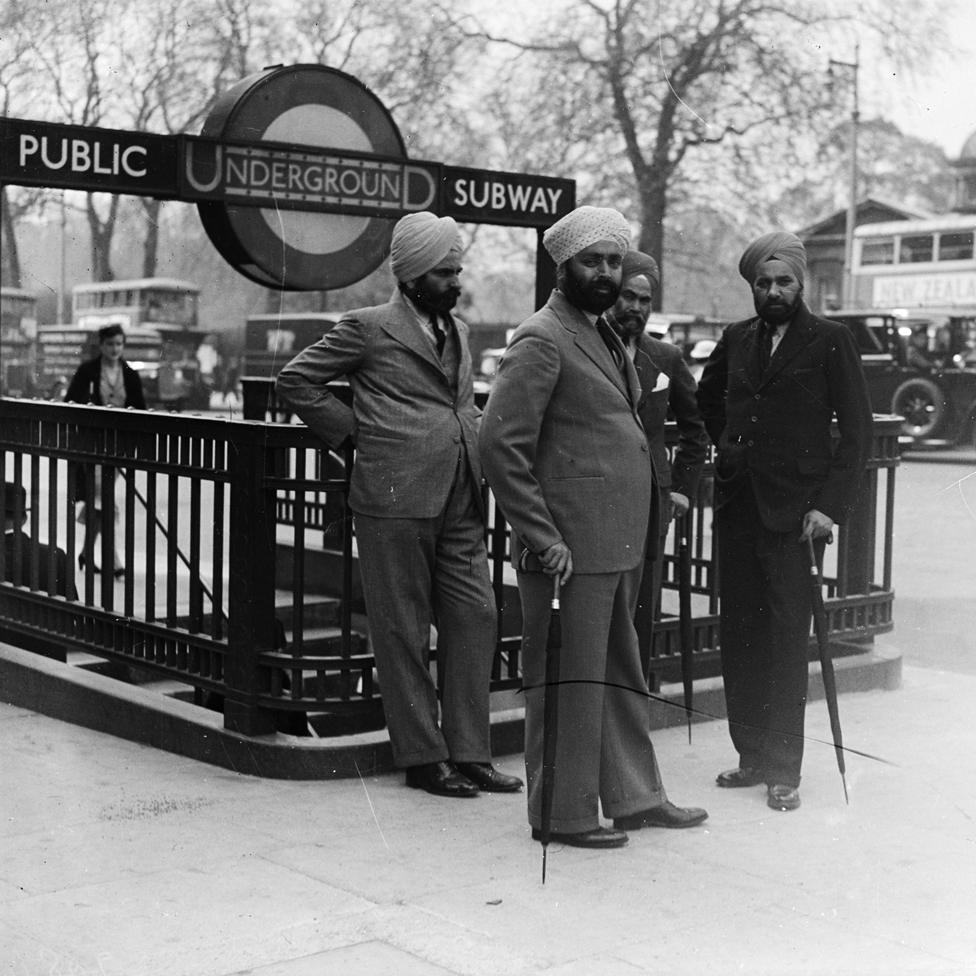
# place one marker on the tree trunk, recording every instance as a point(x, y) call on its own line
point(101, 238)
point(11, 255)
point(653, 206)
point(150, 253)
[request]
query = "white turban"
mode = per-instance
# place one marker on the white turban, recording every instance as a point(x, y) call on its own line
point(583, 227)
point(420, 242)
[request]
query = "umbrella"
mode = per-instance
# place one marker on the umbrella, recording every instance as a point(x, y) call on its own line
point(826, 664)
point(683, 527)
point(550, 722)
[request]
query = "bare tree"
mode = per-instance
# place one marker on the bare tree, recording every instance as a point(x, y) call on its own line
point(645, 99)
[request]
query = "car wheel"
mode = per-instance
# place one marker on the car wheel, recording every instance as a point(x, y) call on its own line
point(922, 404)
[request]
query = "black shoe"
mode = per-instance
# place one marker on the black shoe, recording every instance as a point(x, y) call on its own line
point(782, 797)
point(665, 815)
point(83, 561)
point(599, 837)
point(743, 776)
point(488, 779)
point(119, 572)
point(441, 779)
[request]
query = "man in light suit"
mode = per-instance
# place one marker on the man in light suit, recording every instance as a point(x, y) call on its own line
point(768, 394)
point(416, 498)
point(567, 459)
point(667, 390)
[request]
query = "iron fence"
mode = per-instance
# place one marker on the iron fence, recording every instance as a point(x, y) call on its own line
point(241, 581)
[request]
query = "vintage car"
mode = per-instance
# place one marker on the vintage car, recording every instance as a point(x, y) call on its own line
point(911, 372)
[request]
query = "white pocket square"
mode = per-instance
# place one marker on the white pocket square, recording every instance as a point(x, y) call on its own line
point(663, 382)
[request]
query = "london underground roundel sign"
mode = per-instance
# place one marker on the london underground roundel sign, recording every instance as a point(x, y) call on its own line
point(303, 105)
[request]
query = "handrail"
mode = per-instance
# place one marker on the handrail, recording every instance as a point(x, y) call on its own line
point(260, 509)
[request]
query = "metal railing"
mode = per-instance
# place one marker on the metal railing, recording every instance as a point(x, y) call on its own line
point(241, 580)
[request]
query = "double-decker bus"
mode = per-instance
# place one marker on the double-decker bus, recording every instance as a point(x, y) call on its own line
point(914, 294)
point(18, 330)
point(926, 269)
point(158, 314)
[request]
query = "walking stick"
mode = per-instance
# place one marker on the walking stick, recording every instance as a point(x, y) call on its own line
point(684, 613)
point(550, 719)
point(826, 664)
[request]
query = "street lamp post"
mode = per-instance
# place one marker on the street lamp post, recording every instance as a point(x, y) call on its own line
point(848, 284)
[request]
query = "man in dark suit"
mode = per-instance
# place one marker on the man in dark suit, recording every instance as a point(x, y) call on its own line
point(667, 392)
point(567, 459)
point(416, 498)
point(20, 550)
point(768, 394)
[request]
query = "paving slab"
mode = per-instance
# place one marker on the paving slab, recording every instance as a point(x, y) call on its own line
point(120, 860)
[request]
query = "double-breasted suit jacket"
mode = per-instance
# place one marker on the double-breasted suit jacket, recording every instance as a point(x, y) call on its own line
point(415, 492)
point(566, 457)
point(773, 427)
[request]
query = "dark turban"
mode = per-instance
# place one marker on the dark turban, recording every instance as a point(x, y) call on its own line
point(778, 245)
point(639, 263)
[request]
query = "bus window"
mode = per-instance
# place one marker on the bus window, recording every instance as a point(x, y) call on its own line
point(956, 247)
point(916, 249)
point(878, 252)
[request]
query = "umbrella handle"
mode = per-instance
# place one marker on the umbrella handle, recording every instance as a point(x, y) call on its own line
point(555, 592)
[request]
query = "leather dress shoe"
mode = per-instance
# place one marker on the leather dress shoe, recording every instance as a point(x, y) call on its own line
point(488, 779)
point(441, 779)
point(666, 815)
point(598, 837)
point(743, 776)
point(782, 797)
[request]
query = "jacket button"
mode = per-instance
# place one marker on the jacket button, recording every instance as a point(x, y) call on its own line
point(755, 420)
point(750, 443)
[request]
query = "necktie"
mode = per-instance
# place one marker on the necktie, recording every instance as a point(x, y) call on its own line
point(611, 342)
point(440, 335)
point(766, 334)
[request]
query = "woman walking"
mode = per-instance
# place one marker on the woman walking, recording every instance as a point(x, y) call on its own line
point(106, 380)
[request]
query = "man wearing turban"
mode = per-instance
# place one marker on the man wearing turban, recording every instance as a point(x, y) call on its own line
point(667, 391)
point(415, 494)
point(568, 462)
point(768, 394)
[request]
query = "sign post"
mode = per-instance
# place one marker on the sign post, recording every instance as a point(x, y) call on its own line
point(299, 175)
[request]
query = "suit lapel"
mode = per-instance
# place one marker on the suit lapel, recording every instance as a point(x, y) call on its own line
point(404, 328)
point(797, 337)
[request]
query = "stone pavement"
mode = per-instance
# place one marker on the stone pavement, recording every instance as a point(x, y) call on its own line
point(120, 860)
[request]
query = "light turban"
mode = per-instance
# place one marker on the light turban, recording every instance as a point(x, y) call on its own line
point(584, 227)
point(779, 245)
point(420, 242)
point(639, 263)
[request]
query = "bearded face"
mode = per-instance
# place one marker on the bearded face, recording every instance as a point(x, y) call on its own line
point(591, 278)
point(436, 291)
point(776, 293)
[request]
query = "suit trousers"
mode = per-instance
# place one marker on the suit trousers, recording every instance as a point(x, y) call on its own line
point(419, 572)
point(604, 754)
point(765, 614)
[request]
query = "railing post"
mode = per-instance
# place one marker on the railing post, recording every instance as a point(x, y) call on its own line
point(250, 591)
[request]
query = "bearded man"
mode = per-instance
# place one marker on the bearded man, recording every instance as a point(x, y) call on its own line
point(416, 498)
point(567, 459)
point(768, 395)
point(667, 392)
